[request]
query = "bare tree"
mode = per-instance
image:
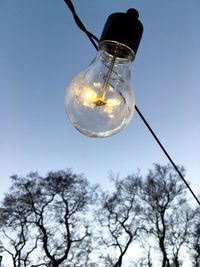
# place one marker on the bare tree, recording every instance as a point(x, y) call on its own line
point(119, 219)
point(181, 225)
point(195, 239)
point(20, 247)
point(165, 214)
point(49, 221)
point(17, 241)
point(56, 209)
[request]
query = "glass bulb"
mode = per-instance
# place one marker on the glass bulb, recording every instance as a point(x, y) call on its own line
point(100, 101)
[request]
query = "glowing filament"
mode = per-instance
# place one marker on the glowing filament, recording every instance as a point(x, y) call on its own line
point(90, 99)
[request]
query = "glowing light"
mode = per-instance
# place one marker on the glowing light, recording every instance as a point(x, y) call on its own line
point(100, 101)
point(113, 102)
point(86, 96)
point(89, 98)
point(90, 95)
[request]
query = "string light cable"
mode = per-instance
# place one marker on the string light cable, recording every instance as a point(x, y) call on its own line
point(93, 40)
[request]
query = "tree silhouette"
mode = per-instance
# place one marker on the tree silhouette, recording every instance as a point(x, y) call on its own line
point(55, 207)
point(195, 239)
point(20, 243)
point(119, 219)
point(59, 220)
point(165, 213)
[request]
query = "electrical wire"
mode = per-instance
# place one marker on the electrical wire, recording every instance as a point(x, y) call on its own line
point(80, 24)
point(93, 38)
point(165, 152)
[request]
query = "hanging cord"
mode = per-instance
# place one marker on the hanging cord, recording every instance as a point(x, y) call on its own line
point(80, 24)
point(165, 152)
point(92, 38)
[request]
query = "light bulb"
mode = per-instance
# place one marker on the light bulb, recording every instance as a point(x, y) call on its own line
point(100, 100)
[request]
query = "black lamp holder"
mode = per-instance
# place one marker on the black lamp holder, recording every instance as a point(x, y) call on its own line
point(124, 28)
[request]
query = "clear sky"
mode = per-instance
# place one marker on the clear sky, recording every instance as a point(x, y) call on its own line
point(41, 49)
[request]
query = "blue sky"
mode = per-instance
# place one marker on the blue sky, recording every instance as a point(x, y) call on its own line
point(41, 50)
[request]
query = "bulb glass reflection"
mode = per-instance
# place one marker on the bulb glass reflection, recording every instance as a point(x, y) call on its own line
point(100, 100)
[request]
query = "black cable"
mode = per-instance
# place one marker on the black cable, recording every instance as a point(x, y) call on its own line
point(91, 37)
point(165, 152)
point(80, 24)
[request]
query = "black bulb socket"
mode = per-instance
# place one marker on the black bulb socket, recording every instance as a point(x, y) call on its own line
point(124, 28)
